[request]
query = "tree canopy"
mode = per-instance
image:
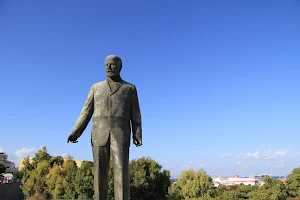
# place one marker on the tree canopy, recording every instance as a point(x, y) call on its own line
point(293, 183)
point(52, 177)
point(192, 184)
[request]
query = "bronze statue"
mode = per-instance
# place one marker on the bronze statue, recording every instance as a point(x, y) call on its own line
point(115, 106)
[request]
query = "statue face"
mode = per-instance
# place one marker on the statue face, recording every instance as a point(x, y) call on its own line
point(112, 67)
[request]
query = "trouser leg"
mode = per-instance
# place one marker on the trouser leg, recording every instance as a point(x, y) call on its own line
point(120, 161)
point(101, 169)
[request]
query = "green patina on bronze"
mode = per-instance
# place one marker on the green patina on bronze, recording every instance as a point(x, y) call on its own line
point(115, 106)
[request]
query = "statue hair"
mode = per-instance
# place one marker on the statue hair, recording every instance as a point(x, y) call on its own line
point(114, 57)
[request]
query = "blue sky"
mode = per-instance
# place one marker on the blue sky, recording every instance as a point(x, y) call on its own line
point(218, 81)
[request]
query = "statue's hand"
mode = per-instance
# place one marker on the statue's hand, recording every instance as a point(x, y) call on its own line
point(72, 138)
point(137, 142)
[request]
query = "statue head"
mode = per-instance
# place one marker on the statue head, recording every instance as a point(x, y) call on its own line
point(113, 65)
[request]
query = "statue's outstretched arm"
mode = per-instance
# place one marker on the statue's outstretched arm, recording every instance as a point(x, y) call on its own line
point(85, 115)
point(136, 119)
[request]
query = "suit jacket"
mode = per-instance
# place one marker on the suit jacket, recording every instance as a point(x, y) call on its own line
point(114, 111)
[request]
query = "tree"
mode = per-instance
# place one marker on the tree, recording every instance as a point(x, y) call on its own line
point(49, 177)
point(19, 175)
point(191, 184)
point(35, 180)
point(2, 168)
point(220, 190)
point(34, 174)
point(69, 170)
point(41, 155)
point(28, 184)
point(37, 195)
point(237, 192)
point(271, 190)
point(148, 180)
point(55, 182)
point(293, 183)
point(84, 180)
point(57, 159)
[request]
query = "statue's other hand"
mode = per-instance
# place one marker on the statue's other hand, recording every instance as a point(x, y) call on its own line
point(72, 138)
point(137, 142)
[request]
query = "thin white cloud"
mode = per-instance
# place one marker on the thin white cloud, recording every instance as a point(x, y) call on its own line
point(254, 155)
point(282, 152)
point(24, 152)
point(279, 166)
point(202, 165)
point(298, 153)
point(1, 149)
point(268, 155)
point(240, 155)
point(238, 163)
point(224, 155)
point(263, 156)
point(194, 165)
point(190, 164)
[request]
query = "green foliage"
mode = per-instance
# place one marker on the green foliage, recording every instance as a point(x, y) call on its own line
point(37, 195)
point(41, 155)
point(2, 168)
point(237, 192)
point(19, 175)
point(41, 176)
point(220, 190)
point(192, 184)
point(84, 181)
point(293, 183)
point(56, 160)
point(27, 170)
point(271, 190)
point(148, 180)
point(55, 182)
point(49, 177)
point(70, 171)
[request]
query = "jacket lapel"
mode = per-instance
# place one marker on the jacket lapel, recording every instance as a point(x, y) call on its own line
point(118, 85)
point(107, 88)
point(116, 88)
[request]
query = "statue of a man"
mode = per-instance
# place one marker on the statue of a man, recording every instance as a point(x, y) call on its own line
point(116, 110)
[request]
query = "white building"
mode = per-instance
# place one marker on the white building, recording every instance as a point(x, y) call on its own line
point(235, 180)
point(10, 166)
point(3, 157)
